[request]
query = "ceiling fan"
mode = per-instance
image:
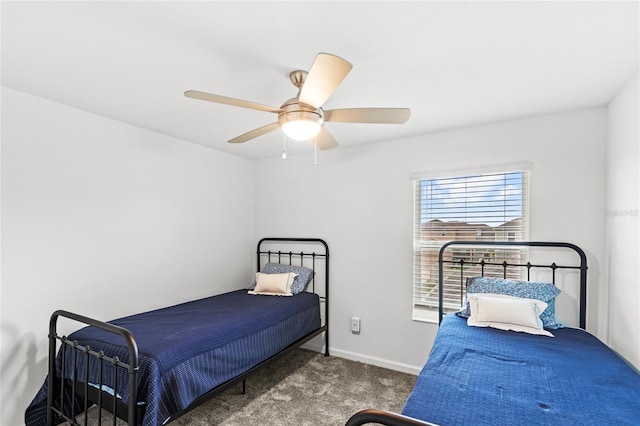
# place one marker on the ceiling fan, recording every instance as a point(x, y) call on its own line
point(302, 117)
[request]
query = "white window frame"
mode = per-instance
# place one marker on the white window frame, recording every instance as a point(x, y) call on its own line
point(427, 242)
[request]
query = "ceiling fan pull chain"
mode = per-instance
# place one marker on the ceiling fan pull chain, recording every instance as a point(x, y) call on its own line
point(284, 146)
point(315, 150)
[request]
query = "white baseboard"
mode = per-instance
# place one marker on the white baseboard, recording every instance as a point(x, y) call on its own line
point(384, 363)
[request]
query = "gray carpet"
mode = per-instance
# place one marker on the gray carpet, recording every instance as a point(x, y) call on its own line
point(305, 388)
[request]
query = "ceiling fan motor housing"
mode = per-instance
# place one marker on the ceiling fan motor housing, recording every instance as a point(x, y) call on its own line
point(306, 119)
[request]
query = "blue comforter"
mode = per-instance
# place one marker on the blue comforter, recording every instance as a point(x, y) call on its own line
point(483, 376)
point(188, 349)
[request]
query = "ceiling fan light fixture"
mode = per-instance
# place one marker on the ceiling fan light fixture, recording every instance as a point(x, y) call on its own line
point(301, 129)
point(299, 121)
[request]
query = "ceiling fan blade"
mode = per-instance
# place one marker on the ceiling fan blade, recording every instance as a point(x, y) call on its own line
point(368, 115)
point(255, 133)
point(324, 140)
point(204, 96)
point(324, 77)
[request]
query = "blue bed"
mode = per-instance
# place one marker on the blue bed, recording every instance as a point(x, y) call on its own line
point(185, 353)
point(484, 376)
point(488, 376)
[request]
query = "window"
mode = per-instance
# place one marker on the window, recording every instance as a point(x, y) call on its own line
point(484, 207)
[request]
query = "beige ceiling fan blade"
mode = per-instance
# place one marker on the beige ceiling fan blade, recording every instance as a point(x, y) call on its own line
point(324, 140)
point(324, 77)
point(255, 133)
point(368, 115)
point(204, 96)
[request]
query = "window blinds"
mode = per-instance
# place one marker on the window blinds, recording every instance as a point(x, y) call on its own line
point(485, 207)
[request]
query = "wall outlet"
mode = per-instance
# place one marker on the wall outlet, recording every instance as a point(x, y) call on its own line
point(355, 324)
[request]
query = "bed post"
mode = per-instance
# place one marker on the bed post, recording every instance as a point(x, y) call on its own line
point(326, 298)
point(52, 368)
point(132, 366)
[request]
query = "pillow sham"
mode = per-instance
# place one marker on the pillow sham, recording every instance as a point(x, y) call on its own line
point(545, 292)
point(507, 313)
point(273, 284)
point(300, 282)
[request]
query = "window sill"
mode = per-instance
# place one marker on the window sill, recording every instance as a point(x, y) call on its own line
point(423, 314)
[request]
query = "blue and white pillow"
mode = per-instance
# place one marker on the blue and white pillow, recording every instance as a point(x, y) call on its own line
point(545, 292)
point(300, 282)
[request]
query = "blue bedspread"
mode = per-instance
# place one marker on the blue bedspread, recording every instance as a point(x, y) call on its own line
point(483, 376)
point(188, 349)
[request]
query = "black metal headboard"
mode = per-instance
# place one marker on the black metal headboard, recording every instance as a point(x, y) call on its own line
point(314, 260)
point(582, 267)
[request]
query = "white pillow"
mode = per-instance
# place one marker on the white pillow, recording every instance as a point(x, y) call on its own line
point(273, 284)
point(507, 313)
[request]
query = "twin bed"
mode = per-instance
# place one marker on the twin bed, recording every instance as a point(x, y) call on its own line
point(153, 367)
point(489, 376)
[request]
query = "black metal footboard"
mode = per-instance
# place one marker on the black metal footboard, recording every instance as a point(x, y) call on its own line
point(71, 393)
point(383, 418)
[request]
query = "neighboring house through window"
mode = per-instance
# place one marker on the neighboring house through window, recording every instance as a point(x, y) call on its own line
point(485, 207)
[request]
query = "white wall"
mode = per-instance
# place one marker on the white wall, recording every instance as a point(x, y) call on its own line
point(106, 219)
point(623, 237)
point(360, 200)
point(89, 202)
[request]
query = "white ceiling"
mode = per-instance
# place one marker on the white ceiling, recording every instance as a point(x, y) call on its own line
point(455, 64)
